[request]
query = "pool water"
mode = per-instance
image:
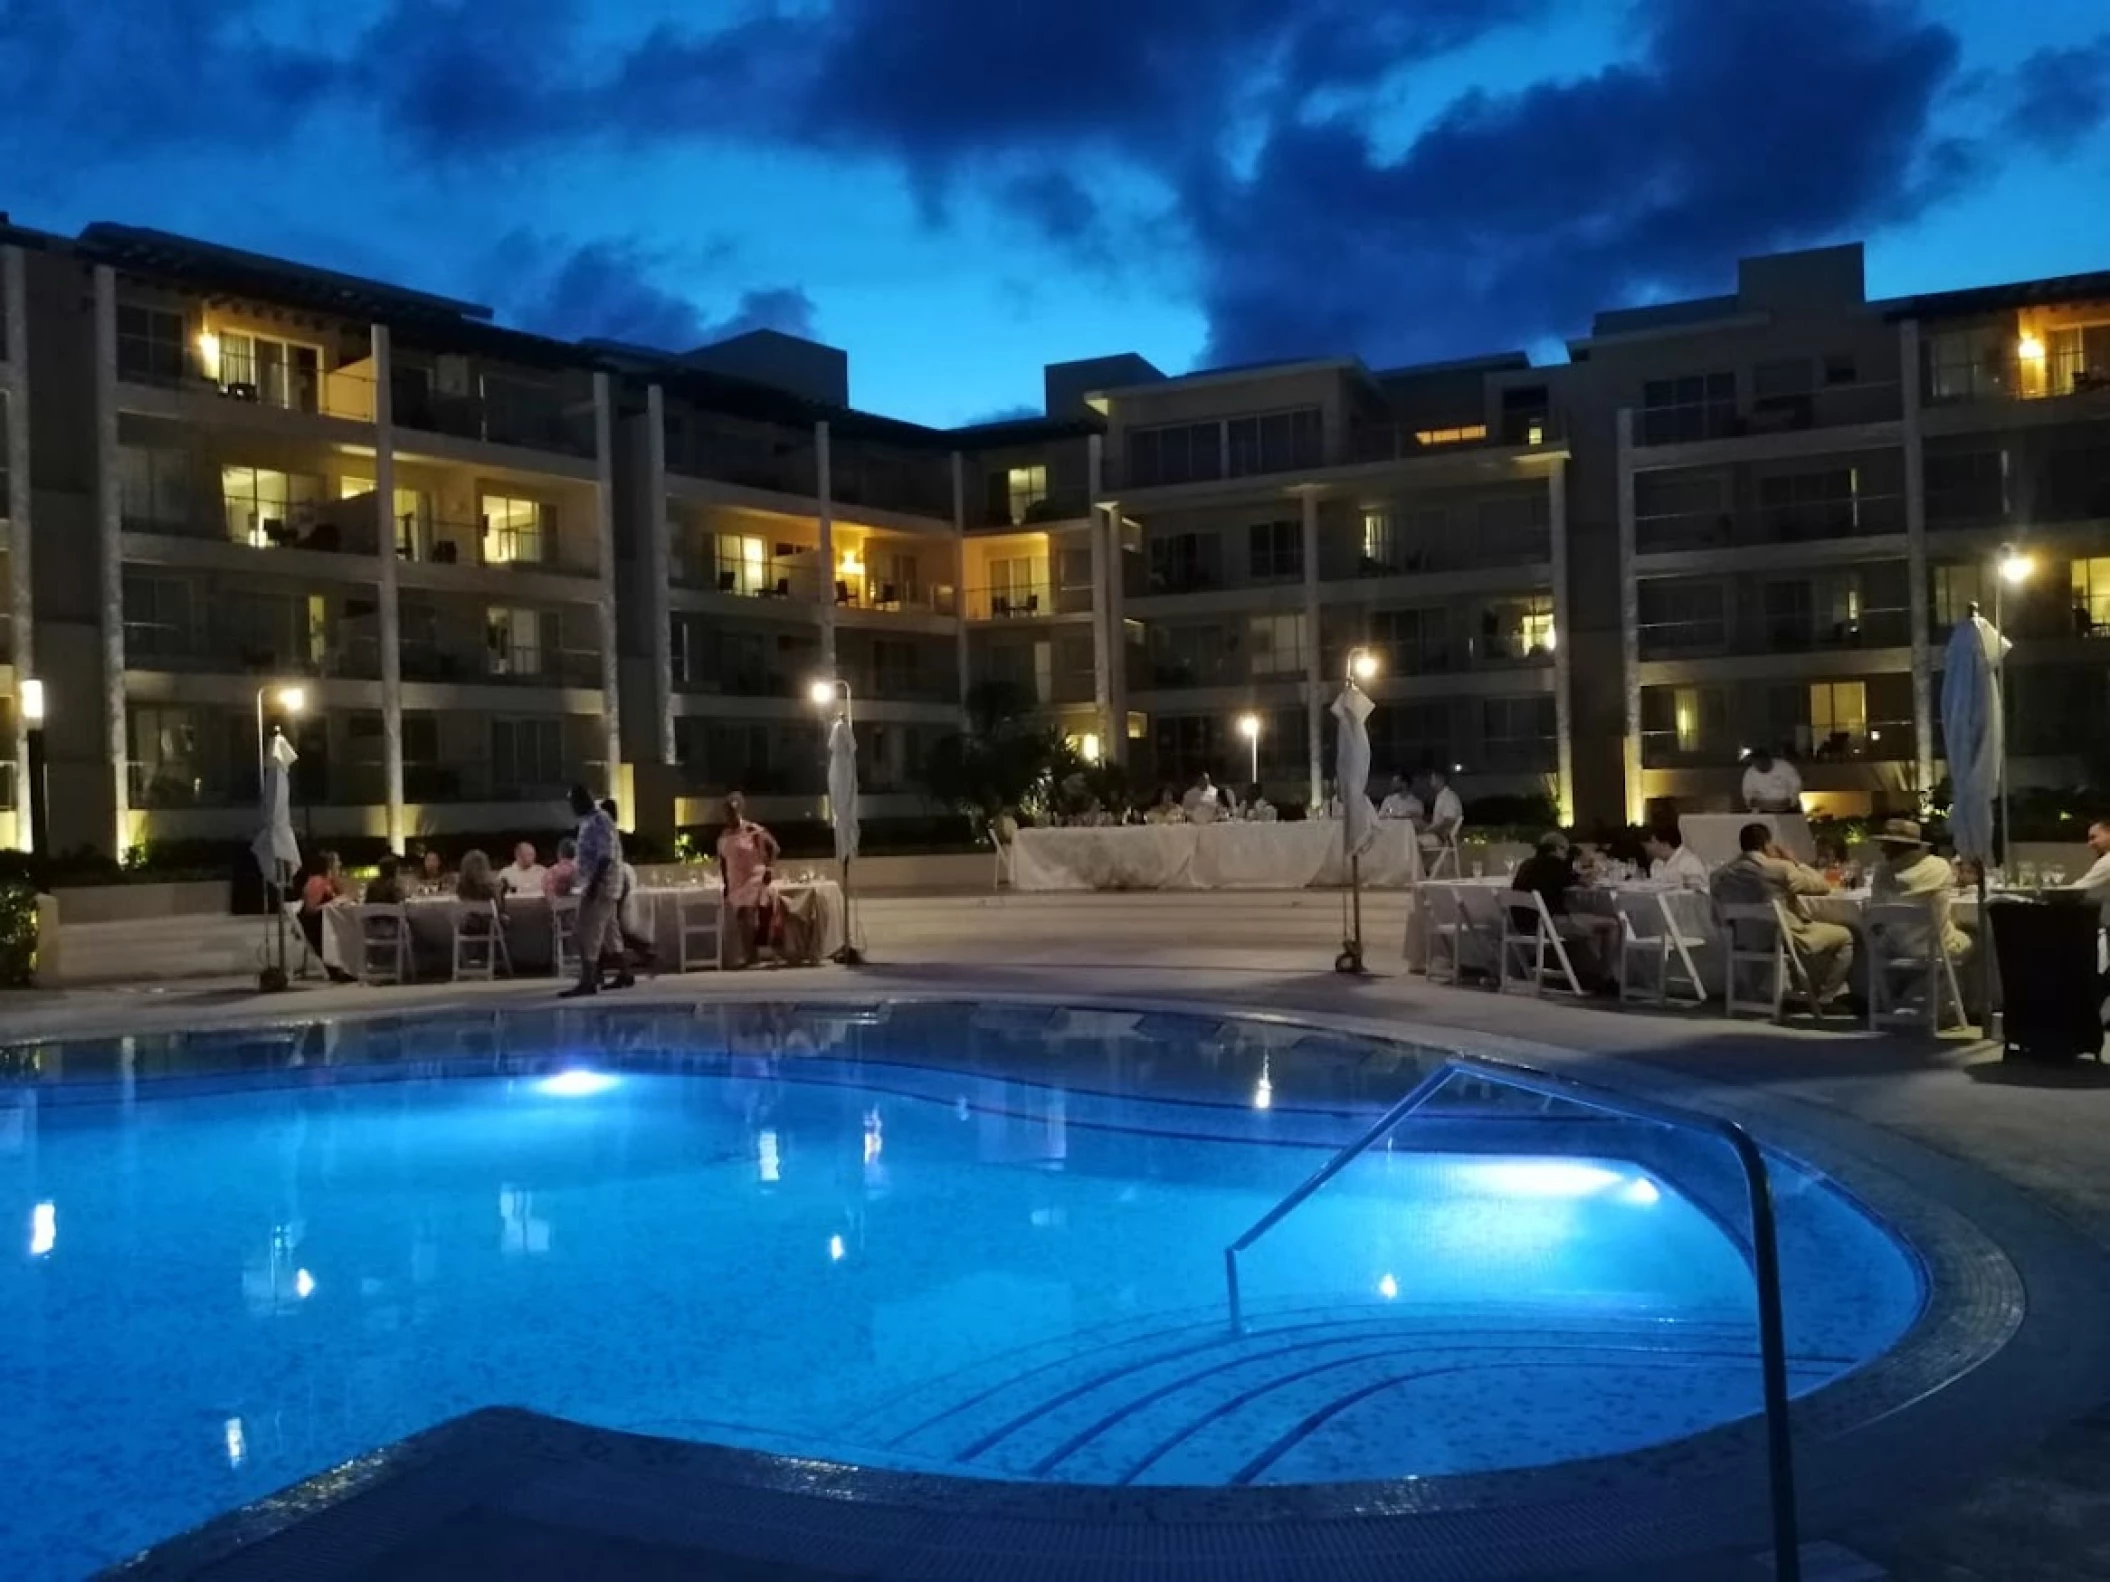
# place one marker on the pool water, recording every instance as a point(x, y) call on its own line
point(206, 1296)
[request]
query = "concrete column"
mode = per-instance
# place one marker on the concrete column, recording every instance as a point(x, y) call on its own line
point(14, 385)
point(109, 513)
point(1116, 634)
point(1104, 566)
point(1563, 645)
point(659, 568)
point(604, 596)
point(959, 572)
point(1916, 560)
point(823, 488)
point(1629, 621)
point(391, 623)
point(1313, 681)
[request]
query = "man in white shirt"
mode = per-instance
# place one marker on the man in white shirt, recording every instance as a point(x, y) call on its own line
point(1402, 803)
point(1446, 812)
point(2095, 883)
point(1200, 801)
point(1670, 861)
point(1771, 784)
point(525, 873)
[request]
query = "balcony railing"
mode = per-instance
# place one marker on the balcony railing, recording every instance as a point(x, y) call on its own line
point(704, 679)
point(781, 466)
point(532, 421)
point(445, 543)
point(749, 579)
point(1057, 505)
point(326, 392)
point(920, 486)
point(1057, 688)
point(876, 593)
point(166, 645)
point(1863, 516)
point(1758, 632)
point(334, 527)
point(1372, 442)
point(1026, 601)
point(2015, 379)
point(1173, 672)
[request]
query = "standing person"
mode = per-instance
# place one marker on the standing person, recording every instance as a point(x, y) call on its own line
point(1771, 785)
point(600, 875)
point(1199, 803)
point(746, 852)
point(2095, 883)
point(525, 873)
point(1761, 873)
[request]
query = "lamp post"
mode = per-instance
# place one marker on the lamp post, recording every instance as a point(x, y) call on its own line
point(2015, 569)
point(826, 694)
point(29, 697)
point(1361, 667)
point(1249, 728)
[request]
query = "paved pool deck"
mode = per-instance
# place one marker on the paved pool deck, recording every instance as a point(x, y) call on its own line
point(2041, 1513)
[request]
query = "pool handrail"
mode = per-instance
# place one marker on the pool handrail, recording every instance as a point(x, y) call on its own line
point(1764, 1249)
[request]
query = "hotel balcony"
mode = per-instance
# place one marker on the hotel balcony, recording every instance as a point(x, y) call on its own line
point(210, 364)
point(1851, 738)
point(1006, 510)
point(793, 579)
point(1026, 601)
point(1215, 456)
point(763, 458)
point(866, 476)
point(2049, 361)
point(549, 411)
point(1776, 623)
point(488, 545)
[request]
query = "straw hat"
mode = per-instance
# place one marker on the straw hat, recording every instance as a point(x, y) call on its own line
point(1899, 832)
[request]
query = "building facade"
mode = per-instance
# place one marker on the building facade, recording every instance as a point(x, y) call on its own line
point(493, 563)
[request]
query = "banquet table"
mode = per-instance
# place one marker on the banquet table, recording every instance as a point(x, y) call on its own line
point(656, 914)
point(1225, 856)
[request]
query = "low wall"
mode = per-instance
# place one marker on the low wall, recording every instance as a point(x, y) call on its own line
point(119, 903)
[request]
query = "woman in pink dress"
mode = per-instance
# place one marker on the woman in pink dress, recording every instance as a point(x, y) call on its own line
point(746, 852)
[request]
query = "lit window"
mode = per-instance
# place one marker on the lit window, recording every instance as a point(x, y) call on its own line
point(2091, 594)
point(1685, 709)
point(266, 507)
point(1838, 709)
point(1026, 487)
point(514, 530)
point(1452, 436)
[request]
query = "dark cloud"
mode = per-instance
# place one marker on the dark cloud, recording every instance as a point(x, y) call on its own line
point(605, 290)
point(1742, 125)
point(1053, 201)
point(1005, 414)
point(2062, 96)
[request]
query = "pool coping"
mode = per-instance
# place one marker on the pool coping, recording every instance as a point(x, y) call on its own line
point(1980, 1367)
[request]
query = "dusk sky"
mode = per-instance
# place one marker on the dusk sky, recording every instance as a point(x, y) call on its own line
point(958, 191)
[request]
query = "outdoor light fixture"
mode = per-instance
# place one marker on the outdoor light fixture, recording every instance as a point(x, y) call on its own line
point(30, 693)
point(2030, 349)
point(293, 699)
point(1089, 747)
point(1362, 664)
point(2015, 567)
point(1249, 726)
point(822, 693)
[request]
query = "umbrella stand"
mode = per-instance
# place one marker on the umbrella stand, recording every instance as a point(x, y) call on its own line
point(1351, 957)
point(849, 955)
point(1985, 961)
point(272, 979)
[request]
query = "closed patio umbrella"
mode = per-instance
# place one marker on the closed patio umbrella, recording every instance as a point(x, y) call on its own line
point(1973, 732)
point(842, 812)
point(276, 849)
point(1351, 774)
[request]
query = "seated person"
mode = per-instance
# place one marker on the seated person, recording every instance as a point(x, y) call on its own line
point(525, 873)
point(385, 888)
point(1401, 802)
point(1257, 809)
point(1591, 937)
point(1446, 812)
point(1166, 811)
point(1201, 801)
point(1762, 873)
point(1671, 861)
point(432, 871)
point(562, 876)
point(476, 881)
point(326, 884)
point(1910, 871)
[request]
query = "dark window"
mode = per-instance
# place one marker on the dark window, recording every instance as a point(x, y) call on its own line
point(151, 345)
point(1276, 442)
point(1184, 562)
point(1518, 733)
point(1966, 489)
point(1276, 550)
point(1695, 407)
point(1180, 453)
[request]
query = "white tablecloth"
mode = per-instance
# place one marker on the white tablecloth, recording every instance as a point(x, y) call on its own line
point(1283, 856)
point(527, 927)
point(1713, 836)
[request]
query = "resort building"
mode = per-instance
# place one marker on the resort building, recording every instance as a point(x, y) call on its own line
point(486, 563)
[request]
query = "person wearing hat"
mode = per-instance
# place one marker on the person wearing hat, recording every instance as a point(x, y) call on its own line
point(1910, 871)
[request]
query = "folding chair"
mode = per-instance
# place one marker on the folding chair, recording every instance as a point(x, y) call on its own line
point(1671, 941)
point(480, 942)
point(1443, 928)
point(1445, 850)
point(1483, 916)
point(1782, 966)
point(1534, 942)
point(564, 935)
point(699, 929)
point(1905, 943)
point(384, 944)
point(308, 959)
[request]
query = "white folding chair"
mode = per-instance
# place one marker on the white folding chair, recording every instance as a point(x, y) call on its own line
point(480, 942)
point(299, 936)
point(564, 935)
point(1443, 929)
point(1671, 941)
point(699, 929)
point(1744, 925)
point(1534, 942)
point(1439, 854)
point(1911, 980)
point(384, 944)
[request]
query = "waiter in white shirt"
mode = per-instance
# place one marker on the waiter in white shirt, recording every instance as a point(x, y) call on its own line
point(1402, 802)
point(1771, 784)
point(2095, 883)
point(1201, 801)
point(1670, 861)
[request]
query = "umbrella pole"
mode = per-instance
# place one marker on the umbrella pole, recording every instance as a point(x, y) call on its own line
point(1351, 956)
point(1985, 961)
point(849, 955)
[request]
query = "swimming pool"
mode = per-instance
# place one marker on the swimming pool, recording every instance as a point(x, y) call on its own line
point(982, 1241)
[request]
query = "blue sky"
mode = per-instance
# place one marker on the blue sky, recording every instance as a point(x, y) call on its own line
point(957, 191)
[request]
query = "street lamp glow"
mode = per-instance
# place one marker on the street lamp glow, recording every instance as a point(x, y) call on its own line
point(1249, 726)
point(31, 694)
point(293, 699)
point(2016, 567)
point(1362, 664)
point(822, 693)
